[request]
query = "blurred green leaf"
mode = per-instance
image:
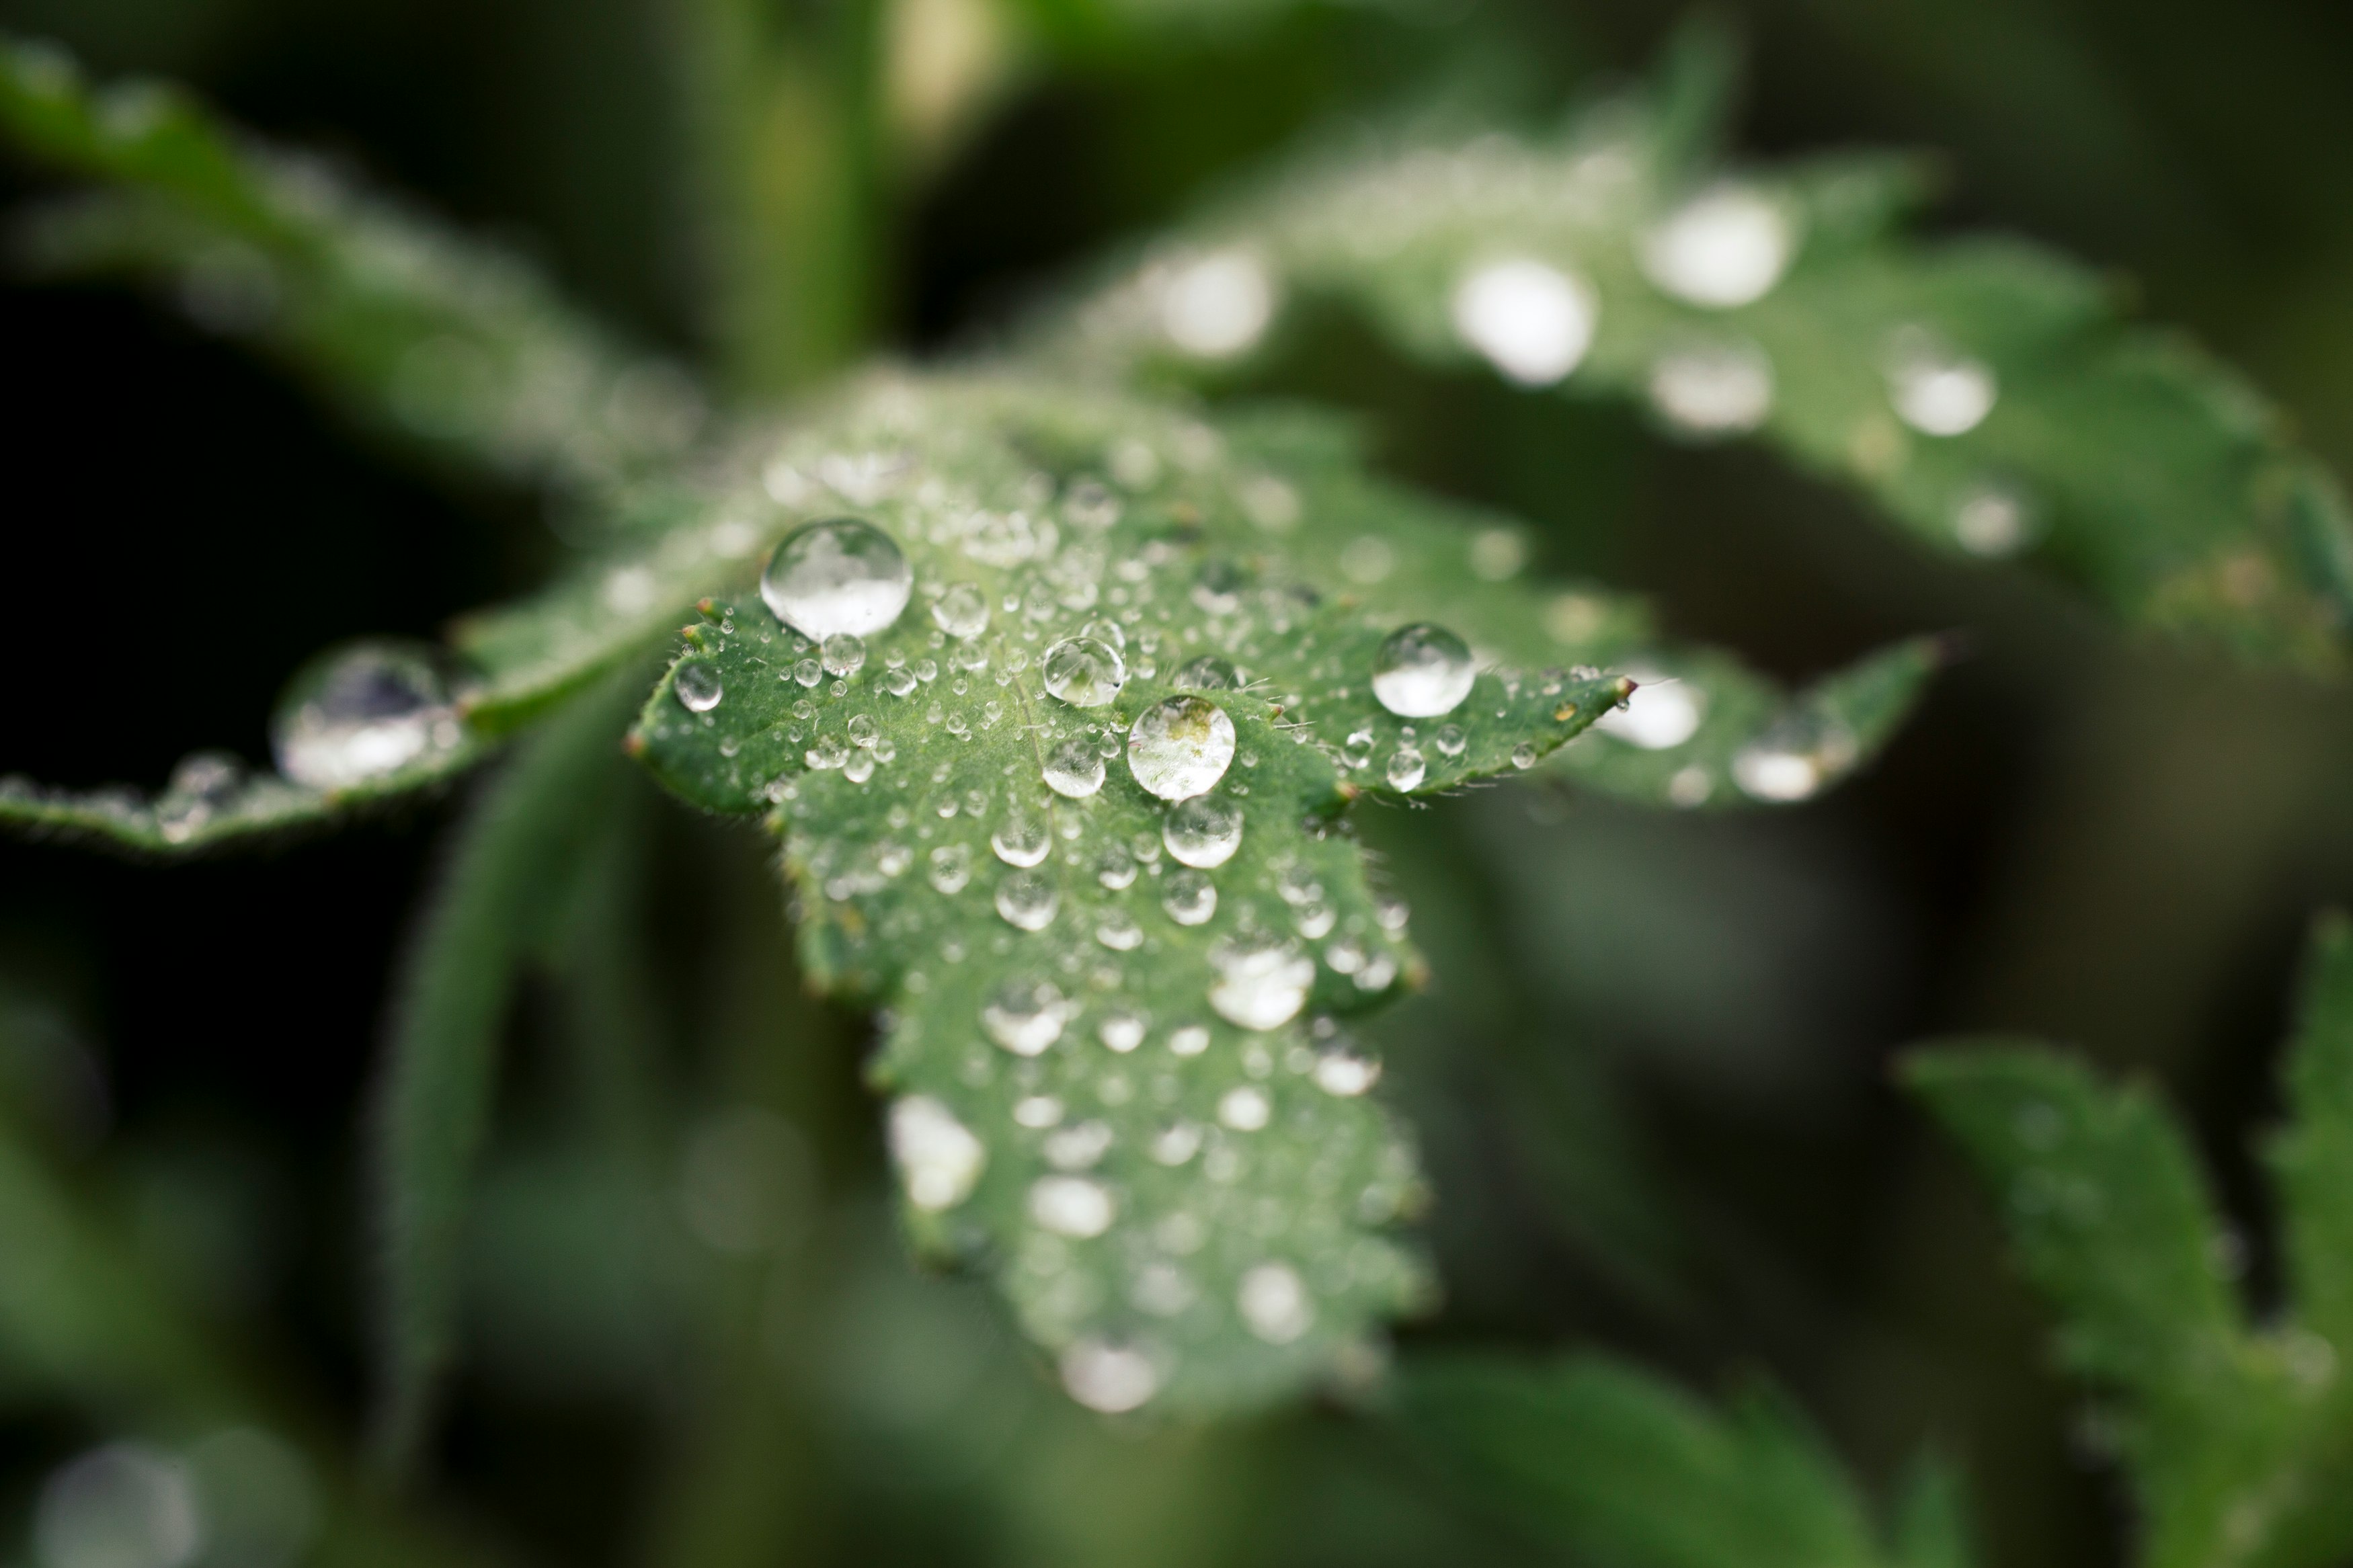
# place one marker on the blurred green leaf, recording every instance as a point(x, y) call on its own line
point(1616, 1466)
point(1984, 393)
point(513, 852)
point(2239, 1440)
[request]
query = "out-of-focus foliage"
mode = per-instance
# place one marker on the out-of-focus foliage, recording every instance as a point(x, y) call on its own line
point(2238, 1437)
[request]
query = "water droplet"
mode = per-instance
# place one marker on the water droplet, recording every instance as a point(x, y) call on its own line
point(1109, 1378)
point(809, 671)
point(828, 751)
point(1422, 671)
point(938, 1157)
point(1344, 1071)
point(1406, 768)
point(1073, 768)
point(842, 575)
point(1993, 520)
point(1449, 740)
point(1531, 322)
point(698, 686)
point(1025, 1017)
point(121, 1506)
point(1117, 930)
point(1315, 919)
point(1936, 391)
point(1218, 589)
point(1274, 1303)
point(1079, 1147)
point(1071, 1205)
point(1189, 897)
point(1028, 899)
point(961, 612)
point(1793, 759)
point(1245, 1109)
point(863, 731)
point(1262, 983)
point(1663, 713)
point(1162, 1290)
point(1203, 831)
point(1713, 389)
point(1037, 1110)
point(1726, 247)
point(1206, 673)
point(842, 654)
point(1084, 672)
point(361, 714)
point(1176, 1143)
point(1524, 755)
point(1121, 1029)
point(1180, 748)
point(1218, 305)
point(1021, 840)
point(951, 868)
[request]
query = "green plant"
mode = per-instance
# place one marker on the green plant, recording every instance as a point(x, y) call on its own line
point(1053, 673)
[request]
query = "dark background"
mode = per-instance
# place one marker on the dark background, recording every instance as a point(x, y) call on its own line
point(2080, 836)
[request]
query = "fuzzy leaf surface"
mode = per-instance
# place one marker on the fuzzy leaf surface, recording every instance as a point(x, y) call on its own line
point(2239, 1439)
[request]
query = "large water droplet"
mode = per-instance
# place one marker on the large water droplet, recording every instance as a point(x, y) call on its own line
point(1028, 899)
point(1071, 1205)
point(1180, 748)
point(1025, 1017)
point(1021, 840)
point(1217, 306)
point(1713, 389)
point(1274, 1303)
point(1531, 322)
point(1084, 672)
point(1203, 831)
point(1074, 768)
point(1726, 247)
point(1206, 673)
point(842, 575)
point(1189, 897)
point(961, 611)
point(1262, 984)
point(1107, 1377)
point(1422, 671)
point(361, 714)
point(698, 686)
point(938, 1157)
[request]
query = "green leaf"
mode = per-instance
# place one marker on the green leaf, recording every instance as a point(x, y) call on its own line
point(514, 851)
point(1618, 1466)
point(455, 345)
point(1986, 393)
point(1194, 1206)
point(2239, 1440)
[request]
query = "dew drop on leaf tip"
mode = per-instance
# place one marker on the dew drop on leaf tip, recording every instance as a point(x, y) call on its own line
point(839, 577)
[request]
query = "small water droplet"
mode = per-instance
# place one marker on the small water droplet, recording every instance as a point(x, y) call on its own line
point(1037, 1110)
point(1117, 930)
point(961, 612)
point(1218, 305)
point(1406, 768)
point(1028, 899)
point(1021, 840)
point(1078, 1147)
point(1203, 831)
point(1449, 740)
point(951, 866)
point(1109, 1378)
point(1114, 867)
point(938, 1157)
point(842, 654)
point(1245, 1109)
point(1181, 747)
point(1524, 755)
point(1190, 1040)
point(1262, 983)
point(1084, 672)
point(843, 576)
point(698, 686)
point(1531, 322)
point(1343, 1070)
point(1710, 390)
point(1993, 520)
point(1936, 391)
point(1422, 671)
point(1206, 673)
point(1189, 897)
point(1176, 1143)
point(809, 671)
point(828, 751)
point(1025, 1017)
point(1121, 1029)
point(1071, 1205)
point(1073, 768)
point(1662, 713)
point(1274, 1303)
